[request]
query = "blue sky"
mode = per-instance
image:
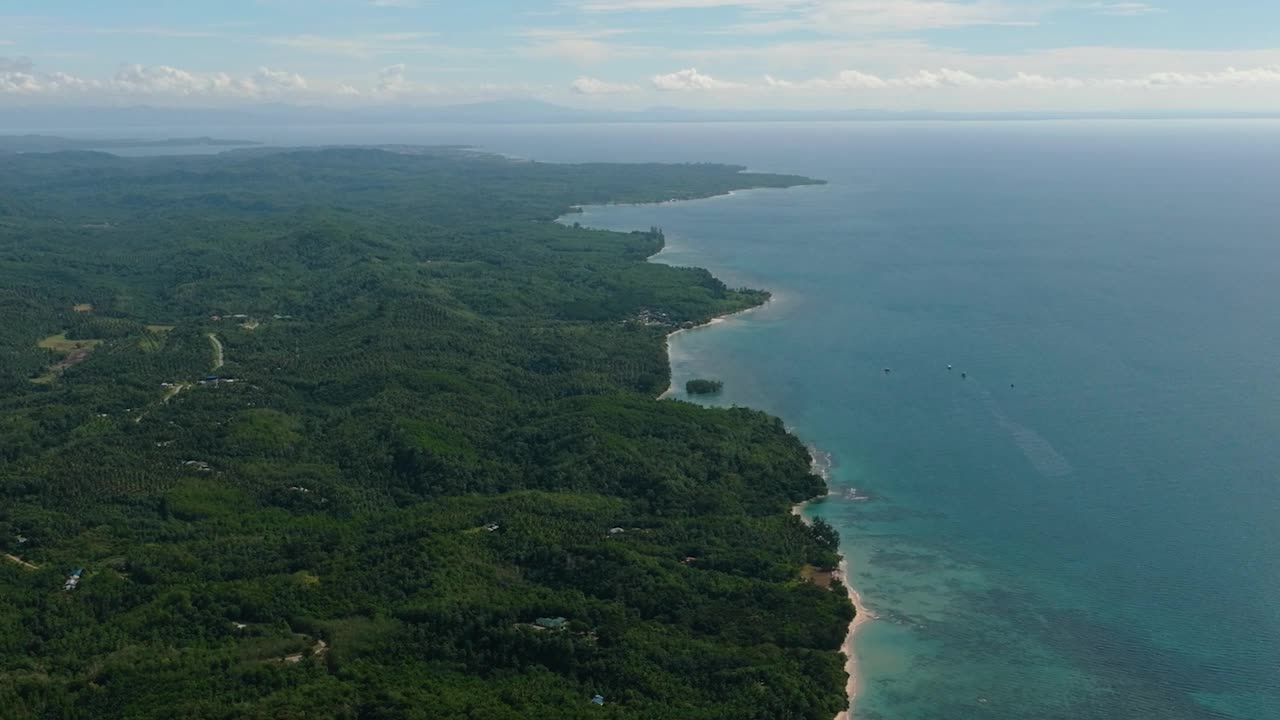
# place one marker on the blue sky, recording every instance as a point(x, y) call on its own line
point(898, 54)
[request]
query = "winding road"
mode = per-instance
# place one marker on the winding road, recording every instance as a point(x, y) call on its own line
point(217, 351)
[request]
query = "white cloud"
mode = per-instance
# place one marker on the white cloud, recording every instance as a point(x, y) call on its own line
point(279, 80)
point(219, 31)
point(1124, 9)
point(948, 78)
point(18, 83)
point(322, 45)
point(643, 5)
point(899, 74)
point(845, 80)
point(356, 46)
point(1231, 77)
point(583, 50)
point(862, 17)
point(19, 77)
point(848, 17)
point(592, 86)
point(392, 80)
point(585, 46)
point(690, 79)
point(895, 57)
point(165, 80)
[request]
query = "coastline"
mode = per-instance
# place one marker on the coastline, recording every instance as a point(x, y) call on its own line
point(861, 615)
point(822, 468)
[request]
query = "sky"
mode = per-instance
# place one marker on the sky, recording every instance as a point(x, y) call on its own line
point(959, 55)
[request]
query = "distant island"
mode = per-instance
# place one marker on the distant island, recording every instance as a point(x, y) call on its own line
point(53, 143)
point(703, 387)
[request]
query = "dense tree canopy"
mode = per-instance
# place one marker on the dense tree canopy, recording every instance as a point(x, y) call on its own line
point(703, 386)
point(329, 432)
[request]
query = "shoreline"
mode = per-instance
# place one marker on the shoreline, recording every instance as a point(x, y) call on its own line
point(821, 467)
point(861, 615)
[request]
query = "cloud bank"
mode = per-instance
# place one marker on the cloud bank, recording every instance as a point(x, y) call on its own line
point(592, 86)
point(18, 76)
point(690, 79)
point(22, 81)
point(948, 78)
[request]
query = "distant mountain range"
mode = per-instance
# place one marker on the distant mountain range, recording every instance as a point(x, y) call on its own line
point(53, 143)
point(518, 111)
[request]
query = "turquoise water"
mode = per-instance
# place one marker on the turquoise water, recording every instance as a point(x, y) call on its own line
point(1088, 525)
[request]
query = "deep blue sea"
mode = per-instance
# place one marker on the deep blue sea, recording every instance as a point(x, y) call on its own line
point(1081, 518)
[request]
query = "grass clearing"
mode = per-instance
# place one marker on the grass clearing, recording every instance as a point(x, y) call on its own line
point(817, 576)
point(60, 343)
point(73, 351)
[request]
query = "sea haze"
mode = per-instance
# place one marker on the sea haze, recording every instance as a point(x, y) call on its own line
point(1086, 526)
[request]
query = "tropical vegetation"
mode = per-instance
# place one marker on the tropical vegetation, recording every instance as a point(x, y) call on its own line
point(365, 433)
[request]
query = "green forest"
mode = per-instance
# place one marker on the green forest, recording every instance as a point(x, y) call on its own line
point(366, 433)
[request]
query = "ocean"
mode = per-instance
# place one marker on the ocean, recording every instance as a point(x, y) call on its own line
point(1081, 517)
point(1044, 362)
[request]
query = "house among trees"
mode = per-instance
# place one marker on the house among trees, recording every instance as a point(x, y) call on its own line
point(551, 623)
point(73, 580)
